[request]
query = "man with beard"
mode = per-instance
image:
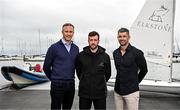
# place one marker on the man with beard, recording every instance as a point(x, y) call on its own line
point(93, 70)
point(131, 68)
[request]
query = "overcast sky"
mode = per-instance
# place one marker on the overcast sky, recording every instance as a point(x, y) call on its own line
point(21, 20)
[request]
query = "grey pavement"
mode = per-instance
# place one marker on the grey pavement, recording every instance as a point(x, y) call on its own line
point(40, 100)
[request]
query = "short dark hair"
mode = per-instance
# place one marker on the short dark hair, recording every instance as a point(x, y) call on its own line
point(67, 24)
point(123, 30)
point(93, 33)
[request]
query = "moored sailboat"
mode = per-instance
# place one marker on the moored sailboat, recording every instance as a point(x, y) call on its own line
point(153, 32)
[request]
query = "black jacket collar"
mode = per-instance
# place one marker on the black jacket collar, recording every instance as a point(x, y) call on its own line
point(99, 51)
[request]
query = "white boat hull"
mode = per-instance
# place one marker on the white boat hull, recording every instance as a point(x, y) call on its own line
point(155, 86)
point(20, 80)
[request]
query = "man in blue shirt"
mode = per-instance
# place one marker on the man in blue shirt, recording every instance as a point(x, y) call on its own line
point(59, 67)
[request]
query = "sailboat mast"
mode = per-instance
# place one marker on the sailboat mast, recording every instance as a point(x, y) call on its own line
point(178, 48)
point(2, 44)
point(172, 42)
point(39, 41)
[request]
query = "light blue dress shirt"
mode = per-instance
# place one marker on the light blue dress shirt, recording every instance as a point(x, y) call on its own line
point(67, 45)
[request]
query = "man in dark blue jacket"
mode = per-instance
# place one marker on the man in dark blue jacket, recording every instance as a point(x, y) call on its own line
point(59, 67)
point(131, 68)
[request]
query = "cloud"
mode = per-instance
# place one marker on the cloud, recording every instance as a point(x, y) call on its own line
point(20, 20)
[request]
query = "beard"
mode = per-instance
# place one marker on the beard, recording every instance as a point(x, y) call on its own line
point(93, 46)
point(123, 43)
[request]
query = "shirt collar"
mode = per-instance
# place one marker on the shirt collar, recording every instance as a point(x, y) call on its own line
point(66, 43)
point(128, 47)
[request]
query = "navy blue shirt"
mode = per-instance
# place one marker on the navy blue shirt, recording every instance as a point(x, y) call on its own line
point(59, 64)
point(131, 69)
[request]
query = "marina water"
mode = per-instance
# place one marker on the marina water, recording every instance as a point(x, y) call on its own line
point(158, 72)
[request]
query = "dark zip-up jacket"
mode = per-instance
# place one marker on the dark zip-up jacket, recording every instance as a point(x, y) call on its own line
point(93, 71)
point(131, 69)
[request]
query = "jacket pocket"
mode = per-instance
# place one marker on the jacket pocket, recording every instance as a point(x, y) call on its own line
point(84, 84)
point(100, 83)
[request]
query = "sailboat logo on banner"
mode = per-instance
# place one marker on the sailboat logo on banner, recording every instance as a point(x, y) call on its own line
point(158, 14)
